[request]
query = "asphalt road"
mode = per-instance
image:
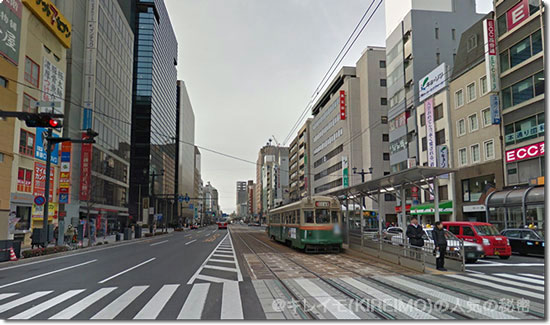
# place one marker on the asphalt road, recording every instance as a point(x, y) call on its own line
point(516, 264)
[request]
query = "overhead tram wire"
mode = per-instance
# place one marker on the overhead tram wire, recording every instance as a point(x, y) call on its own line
point(327, 74)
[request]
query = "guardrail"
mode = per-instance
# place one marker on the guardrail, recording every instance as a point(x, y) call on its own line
point(397, 250)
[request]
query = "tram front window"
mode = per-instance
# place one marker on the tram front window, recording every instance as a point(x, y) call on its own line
point(322, 216)
point(308, 217)
point(334, 215)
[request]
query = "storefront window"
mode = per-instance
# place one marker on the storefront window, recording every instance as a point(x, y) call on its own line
point(535, 215)
point(24, 215)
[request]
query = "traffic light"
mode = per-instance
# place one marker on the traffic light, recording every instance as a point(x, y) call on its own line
point(42, 120)
point(90, 135)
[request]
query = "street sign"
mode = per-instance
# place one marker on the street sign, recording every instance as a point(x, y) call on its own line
point(180, 199)
point(39, 200)
point(159, 216)
point(187, 198)
point(41, 103)
point(191, 207)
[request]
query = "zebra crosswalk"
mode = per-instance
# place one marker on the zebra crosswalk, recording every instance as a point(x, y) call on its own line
point(224, 300)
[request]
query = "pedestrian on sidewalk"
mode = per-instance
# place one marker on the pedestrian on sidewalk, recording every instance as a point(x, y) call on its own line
point(440, 243)
point(414, 234)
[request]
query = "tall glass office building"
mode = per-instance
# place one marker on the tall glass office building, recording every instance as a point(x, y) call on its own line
point(154, 117)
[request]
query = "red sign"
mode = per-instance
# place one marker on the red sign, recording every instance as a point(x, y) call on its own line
point(40, 180)
point(527, 152)
point(517, 14)
point(491, 37)
point(85, 170)
point(342, 105)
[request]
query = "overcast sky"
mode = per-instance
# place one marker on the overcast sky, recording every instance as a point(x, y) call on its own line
point(251, 66)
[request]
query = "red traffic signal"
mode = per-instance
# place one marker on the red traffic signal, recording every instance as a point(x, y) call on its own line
point(53, 123)
point(41, 120)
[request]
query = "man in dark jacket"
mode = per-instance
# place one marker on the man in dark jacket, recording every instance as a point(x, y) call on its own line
point(414, 234)
point(440, 243)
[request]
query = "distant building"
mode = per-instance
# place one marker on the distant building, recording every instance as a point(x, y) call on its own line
point(242, 199)
point(300, 164)
point(185, 151)
point(271, 178)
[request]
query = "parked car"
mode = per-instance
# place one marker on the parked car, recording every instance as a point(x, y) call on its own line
point(473, 251)
point(482, 233)
point(391, 232)
point(525, 241)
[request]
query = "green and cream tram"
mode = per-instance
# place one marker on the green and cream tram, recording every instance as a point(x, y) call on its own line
point(312, 224)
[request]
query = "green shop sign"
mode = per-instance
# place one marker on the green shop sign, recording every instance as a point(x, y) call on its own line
point(424, 209)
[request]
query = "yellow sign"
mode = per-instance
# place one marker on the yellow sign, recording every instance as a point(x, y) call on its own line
point(51, 18)
point(38, 210)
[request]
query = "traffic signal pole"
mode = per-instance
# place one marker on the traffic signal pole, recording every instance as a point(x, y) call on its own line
point(47, 189)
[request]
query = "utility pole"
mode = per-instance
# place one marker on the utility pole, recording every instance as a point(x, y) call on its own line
point(153, 175)
point(47, 189)
point(362, 173)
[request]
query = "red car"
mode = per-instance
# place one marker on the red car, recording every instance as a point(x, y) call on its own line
point(194, 227)
point(222, 224)
point(482, 233)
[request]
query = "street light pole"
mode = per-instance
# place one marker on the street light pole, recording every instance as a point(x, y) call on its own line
point(362, 173)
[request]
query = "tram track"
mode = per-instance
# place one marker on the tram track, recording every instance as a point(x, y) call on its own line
point(359, 300)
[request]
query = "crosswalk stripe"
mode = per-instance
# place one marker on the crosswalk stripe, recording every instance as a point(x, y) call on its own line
point(29, 313)
point(466, 305)
point(192, 279)
point(498, 286)
point(398, 304)
point(78, 307)
point(533, 275)
point(222, 255)
point(118, 305)
point(520, 278)
point(212, 278)
point(239, 274)
point(7, 295)
point(153, 308)
point(509, 282)
point(231, 301)
point(221, 268)
point(221, 261)
point(327, 301)
point(22, 300)
point(194, 304)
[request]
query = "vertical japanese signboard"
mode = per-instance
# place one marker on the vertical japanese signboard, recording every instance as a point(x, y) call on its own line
point(85, 170)
point(430, 132)
point(40, 180)
point(53, 84)
point(489, 35)
point(65, 173)
point(10, 29)
point(342, 105)
point(345, 171)
point(90, 57)
point(41, 144)
point(495, 109)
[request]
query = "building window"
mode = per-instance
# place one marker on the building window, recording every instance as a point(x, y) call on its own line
point(382, 64)
point(489, 149)
point(26, 143)
point(521, 91)
point(438, 58)
point(422, 119)
point(461, 127)
point(386, 173)
point(32, 72)
point(472, 43)
point(424, 144)
point(474, 151)
point(472, 121)
point(443, 193)
point(3, 82)
point(385, 137)
point(483, 86)
point(459, 98)
point(386, 156)
point(24, 180)
point(453, 34)
point(486, 116)
point(27, 106)
point(521, 51)
point(524, 130)
point(383, 101)
point(438, 112)
point(440, 137)
point(436, 33)
point(462, 157)
point(382, 82)
point(384, 119)
point(473, 188)
point(471, 91)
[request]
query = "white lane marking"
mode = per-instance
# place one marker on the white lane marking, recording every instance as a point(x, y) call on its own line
point(7, 295)
point(187, 236)
point(221, 268)
point(194, 304)
point(215, 229)
point(221, 261)
point(160, 242)
point(29, 313)
point(509, 282)
point(156, 304)
point(194, 240)
point(396, 303)
point(477, 272)
point(498, 286)
point(22, 300)
point(204, 263)
point(86, 302)
point(536, 276)
point(335, 307)
point(503, 264)
point(118, 305)
point(231, 301)
point(127, 270)
point(223, 255)
point(45, 274)
point(466, 305)
point(225, 250)
point(212, 279)
point(520, 278)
